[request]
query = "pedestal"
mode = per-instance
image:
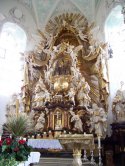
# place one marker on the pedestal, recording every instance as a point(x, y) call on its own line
point(77, 155)
point(77, 142)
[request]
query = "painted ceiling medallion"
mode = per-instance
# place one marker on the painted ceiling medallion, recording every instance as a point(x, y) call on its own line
point(18, 13)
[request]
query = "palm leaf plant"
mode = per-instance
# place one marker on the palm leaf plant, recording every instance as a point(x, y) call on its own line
point(18, 125)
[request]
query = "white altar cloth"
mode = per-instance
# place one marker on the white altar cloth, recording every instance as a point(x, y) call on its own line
point(33, 158)
point(44, 143)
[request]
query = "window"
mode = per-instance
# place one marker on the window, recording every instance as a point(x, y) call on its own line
point(115, 35)
point(12, 42)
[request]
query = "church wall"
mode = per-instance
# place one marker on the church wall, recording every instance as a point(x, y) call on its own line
point(104, 9)
point(3, 102)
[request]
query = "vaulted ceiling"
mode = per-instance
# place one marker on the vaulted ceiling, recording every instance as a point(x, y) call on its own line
point(43, 10)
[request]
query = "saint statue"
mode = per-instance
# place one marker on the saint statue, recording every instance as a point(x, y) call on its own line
point(41, 94)
point(98, 120)
point(13, 106)
point(40, 123)
point(119, 104)
point(83, 91)
point(77, 121)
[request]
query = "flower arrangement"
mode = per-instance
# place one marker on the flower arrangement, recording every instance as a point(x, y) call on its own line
point(13, 151)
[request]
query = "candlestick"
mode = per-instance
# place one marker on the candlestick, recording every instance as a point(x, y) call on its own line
point(92, 158)
point(99, 148)
point(85, 156)
point(17, 107)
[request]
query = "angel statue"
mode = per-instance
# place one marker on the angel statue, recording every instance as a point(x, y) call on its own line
point(82, 36)
point(77, 121)
point(73, 51)
point(71, 95)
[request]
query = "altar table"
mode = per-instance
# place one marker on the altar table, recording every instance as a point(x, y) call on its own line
point(45, 144)
point(77, 142)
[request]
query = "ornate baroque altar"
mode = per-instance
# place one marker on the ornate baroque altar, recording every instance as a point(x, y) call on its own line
point(65, 85)
point(64, 76)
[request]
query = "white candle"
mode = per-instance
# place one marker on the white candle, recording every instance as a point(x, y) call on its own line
point(64, 131)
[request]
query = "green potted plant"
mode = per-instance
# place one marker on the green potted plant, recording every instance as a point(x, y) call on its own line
point(8, 162)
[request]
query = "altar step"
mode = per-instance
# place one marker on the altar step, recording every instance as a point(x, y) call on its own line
point(57, 162)
point(54, 162)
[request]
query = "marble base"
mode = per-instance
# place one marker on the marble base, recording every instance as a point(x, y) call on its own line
point(77, 160)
